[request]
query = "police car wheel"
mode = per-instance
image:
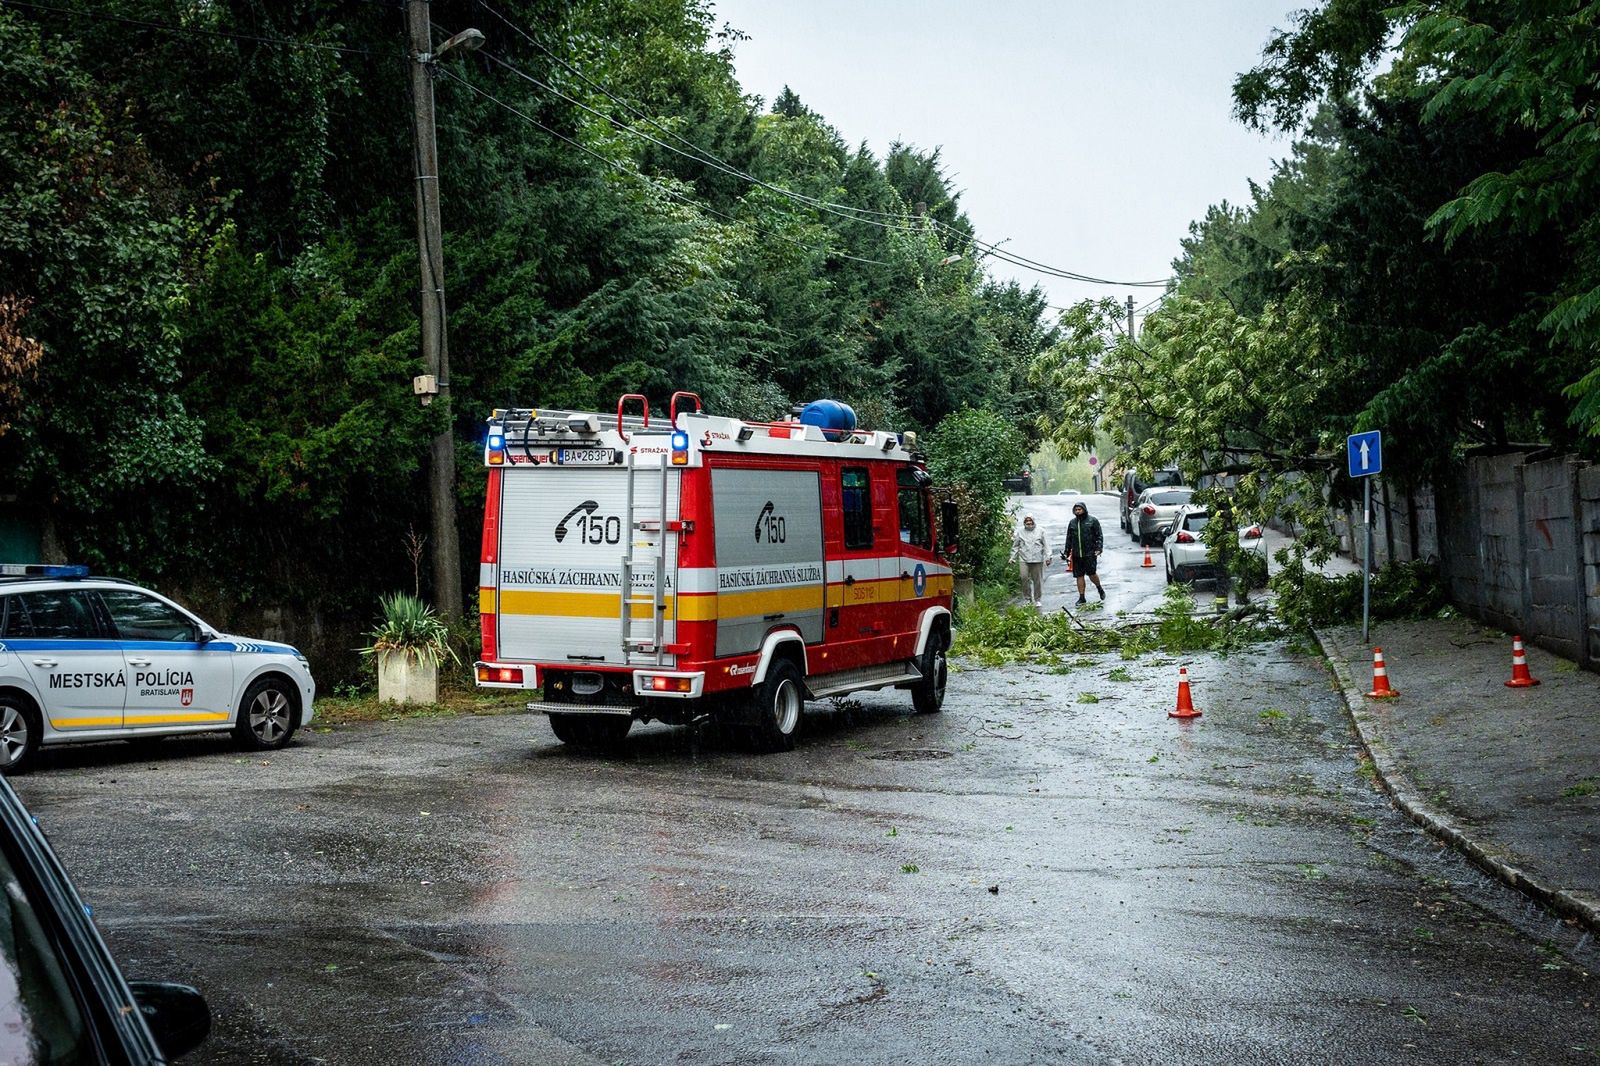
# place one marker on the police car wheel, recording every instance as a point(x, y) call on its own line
point(20, 729)
point(927, 695)
point(590, 730)
point(267, 715)
point(778, 703)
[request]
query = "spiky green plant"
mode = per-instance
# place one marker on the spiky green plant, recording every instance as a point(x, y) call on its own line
point(411, 627)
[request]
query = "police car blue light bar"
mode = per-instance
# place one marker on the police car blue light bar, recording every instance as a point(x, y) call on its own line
point(42, 570)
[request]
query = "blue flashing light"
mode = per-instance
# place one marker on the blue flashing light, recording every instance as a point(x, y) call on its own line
point(496, 441)
point(42, 570)
point(680, 441)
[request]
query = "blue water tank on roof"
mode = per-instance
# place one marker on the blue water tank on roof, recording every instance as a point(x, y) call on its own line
point(836, 420)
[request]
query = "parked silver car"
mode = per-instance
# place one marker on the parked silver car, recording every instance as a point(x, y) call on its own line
point(1154, 511)
point(1132, 487)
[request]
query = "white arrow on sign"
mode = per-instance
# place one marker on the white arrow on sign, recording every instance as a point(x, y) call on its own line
point(1365, 448)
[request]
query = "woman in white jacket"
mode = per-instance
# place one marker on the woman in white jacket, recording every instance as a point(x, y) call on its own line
point(1029, 550)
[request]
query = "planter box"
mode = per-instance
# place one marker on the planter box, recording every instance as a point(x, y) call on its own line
point(405, 680)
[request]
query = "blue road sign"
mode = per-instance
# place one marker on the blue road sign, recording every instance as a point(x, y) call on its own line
point(1366, 453)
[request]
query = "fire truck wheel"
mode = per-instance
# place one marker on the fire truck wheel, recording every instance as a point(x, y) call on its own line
point(267, 715)
point(927, 695)
point(778, 701)
point(590, 730)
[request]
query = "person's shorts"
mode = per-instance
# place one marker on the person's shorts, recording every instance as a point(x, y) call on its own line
point(1082, 566)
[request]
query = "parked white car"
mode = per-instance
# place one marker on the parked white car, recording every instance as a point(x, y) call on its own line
point(90, 658)
point(1186, 552)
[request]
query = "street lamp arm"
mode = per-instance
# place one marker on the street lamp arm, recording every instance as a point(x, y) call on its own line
point(468, 40)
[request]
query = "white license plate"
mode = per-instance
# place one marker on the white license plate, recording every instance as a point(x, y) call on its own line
point(585, 456)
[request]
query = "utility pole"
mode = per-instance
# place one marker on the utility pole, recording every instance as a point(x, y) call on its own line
point(1131, 337)
point(446, 547)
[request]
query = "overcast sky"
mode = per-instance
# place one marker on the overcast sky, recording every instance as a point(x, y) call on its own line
point(1090, 134)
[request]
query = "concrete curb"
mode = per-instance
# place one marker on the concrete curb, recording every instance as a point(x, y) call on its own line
point(1578, 905)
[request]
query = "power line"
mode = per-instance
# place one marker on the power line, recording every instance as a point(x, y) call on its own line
point(621, 168)
point(700, 154)
point(846, 211)
point(624, 127)
point(906, 226)
point(169, 27)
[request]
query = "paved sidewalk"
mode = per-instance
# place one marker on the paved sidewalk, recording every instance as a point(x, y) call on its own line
point(1509, 776)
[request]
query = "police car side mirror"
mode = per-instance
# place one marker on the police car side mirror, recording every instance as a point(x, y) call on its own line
point(205, 636)
point(176, 1015)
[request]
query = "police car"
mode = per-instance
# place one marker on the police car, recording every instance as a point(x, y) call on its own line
point(92, 658)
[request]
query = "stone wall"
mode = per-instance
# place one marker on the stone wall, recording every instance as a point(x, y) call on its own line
point(1553, 605)
point(1518, 544)
point(1589, 532)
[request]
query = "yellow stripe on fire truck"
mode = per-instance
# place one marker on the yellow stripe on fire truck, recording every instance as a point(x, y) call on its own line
point(874, 581)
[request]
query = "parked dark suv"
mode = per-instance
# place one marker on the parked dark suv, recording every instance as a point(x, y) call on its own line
point(1133, 485)
point(1022, 484)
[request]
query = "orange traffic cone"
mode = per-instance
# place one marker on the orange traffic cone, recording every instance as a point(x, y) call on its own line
point(1380, 677)
point(1520, 678)
point(1185, 703)
point(1147, 560)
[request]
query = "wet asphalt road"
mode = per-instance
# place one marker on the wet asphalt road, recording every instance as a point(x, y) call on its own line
point(1027, 877)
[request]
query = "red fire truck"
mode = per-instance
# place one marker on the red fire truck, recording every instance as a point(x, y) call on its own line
point(698, 565)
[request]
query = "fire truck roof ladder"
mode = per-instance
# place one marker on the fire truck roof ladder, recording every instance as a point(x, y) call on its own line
point(633, 643)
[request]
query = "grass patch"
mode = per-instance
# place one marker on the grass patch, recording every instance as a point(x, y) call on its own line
point(1589, 786)
point(350, 704)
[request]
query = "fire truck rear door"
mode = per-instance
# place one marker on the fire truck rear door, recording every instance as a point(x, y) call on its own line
point(562, 534)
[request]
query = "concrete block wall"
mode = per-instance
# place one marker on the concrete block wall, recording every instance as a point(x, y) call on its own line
point(1458, 542)
point(1518, 545)
point(1552, 601)
point(1497, 486)
point(1589, 532)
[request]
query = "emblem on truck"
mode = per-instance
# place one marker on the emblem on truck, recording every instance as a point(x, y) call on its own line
point(588, 507)
point(771, 527)
point(592, 528)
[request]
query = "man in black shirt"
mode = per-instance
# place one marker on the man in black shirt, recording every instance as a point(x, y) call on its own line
point(1084, 544)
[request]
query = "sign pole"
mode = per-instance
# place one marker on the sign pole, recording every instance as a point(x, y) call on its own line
point(1366, 562)
point(1365, 458)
